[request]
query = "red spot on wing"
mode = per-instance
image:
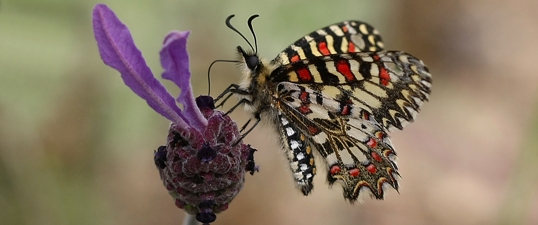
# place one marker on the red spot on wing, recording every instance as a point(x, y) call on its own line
point(384, 75)
point(376, 57)
point(344, 28)
point(372, 143)
point(351, 47)
point(335, 169)
point(380, 135)
point(304, 109)
point(346, 110)
point(376, 156)
point(342, 66)
point(313, 130)
point(354, 172)
point(304, 97)
point(371, 168)
point(304, 74)
point(294, 58)
point(322, 46)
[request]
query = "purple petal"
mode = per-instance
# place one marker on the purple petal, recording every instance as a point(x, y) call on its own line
point(175, 61)
point(118, 50)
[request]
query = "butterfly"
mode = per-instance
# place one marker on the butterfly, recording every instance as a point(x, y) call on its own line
point(335, 93)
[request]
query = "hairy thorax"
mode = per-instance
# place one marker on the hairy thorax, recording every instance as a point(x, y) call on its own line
point(262, 92)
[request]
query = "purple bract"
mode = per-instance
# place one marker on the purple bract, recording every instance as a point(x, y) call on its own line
point(202, 165)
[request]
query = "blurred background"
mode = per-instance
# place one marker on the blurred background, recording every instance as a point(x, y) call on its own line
point(76, 145)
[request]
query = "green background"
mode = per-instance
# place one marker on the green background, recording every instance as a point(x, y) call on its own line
point(76, 145)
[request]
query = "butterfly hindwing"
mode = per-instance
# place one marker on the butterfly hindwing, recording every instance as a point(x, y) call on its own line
point(357, 151)
point(299, 153)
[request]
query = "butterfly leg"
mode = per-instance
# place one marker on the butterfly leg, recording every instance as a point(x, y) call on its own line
point(229, 92)
point(258, 119)
point(224, 100)
point(241, 102)
point(245, 125)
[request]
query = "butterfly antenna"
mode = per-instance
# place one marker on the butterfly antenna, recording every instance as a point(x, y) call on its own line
point(252, 31)
point(209, 73)
point(229, 25)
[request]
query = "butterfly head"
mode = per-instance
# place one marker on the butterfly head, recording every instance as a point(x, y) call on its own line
point(250, 63)
point(250, 59)
point(255, 70)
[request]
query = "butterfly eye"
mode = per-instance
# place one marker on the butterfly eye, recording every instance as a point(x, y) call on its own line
point(252, 62)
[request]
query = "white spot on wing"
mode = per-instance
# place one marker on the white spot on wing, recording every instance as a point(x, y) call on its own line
point(330, 44)
point(343, 47)
point(294, 166)
point(426, 83)
point(331, 159)
point(380, 44)
point(284, 58)
point(294, 144)
point(284, 121)
point(367, 98)
point(376, 90)
point(346, 157)
point(320, 138)
point(300, 156)
point(418, 101)
point(321, 32)
point(356, 151)
point(332, 69)
point(299, 51)
point(403, 58)
point(363, 29)
point(367, 59)
point(337, 30)
point(304, 167)
point(314, 49)
point(289, 131)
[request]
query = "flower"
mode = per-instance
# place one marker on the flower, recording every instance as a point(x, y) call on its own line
point(202, 164)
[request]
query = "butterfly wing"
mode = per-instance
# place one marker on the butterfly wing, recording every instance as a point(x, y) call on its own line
point(357, 151)
point(299, 153)
point(389, 85)
point(344, 37)
point(343, 105)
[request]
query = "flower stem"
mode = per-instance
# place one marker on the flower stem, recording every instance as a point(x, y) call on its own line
point(190, 220)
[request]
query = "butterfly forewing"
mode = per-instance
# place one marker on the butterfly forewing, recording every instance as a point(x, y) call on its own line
point(390, 85)
point(338, 38)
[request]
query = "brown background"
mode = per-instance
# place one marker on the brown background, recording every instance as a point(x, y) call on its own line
point(76, 145)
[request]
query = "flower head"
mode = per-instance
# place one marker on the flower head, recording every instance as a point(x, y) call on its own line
point(202, 165)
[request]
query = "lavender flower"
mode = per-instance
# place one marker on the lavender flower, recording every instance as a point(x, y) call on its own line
point(201, 165)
